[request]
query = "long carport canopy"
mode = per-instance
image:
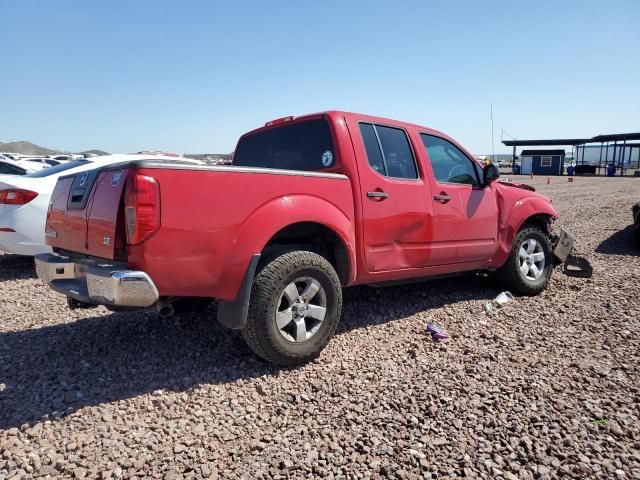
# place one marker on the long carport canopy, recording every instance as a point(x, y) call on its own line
point(622, 153)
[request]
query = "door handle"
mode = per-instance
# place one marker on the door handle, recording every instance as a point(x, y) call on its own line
point(442, 197)
point(378, 195)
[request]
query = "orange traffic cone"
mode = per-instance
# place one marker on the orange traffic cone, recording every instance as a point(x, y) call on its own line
point(548, 180)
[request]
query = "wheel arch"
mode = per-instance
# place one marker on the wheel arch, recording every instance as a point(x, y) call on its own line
point(281, 223)
point(315, 237)
point(528, 211)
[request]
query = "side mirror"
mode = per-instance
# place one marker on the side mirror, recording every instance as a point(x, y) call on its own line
point(490, 173)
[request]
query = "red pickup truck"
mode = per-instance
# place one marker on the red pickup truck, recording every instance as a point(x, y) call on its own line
point(310, 204)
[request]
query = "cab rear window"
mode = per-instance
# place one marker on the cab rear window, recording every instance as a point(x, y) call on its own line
point(299, 146)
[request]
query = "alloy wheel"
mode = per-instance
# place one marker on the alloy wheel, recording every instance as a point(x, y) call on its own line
point(531, 259)
point(301, 309)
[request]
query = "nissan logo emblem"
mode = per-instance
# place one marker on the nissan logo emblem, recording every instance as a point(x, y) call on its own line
point(83, 179)
point(116, 178)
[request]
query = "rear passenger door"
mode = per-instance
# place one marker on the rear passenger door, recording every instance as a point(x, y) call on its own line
point(395, 202)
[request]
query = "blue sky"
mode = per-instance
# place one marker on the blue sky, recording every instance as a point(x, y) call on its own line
point(191, 76)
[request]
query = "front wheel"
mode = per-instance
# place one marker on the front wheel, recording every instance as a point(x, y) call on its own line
point(295, 306)
point(528, 269)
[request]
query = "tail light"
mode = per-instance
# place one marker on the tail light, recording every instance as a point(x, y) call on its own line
point(279, 121)
point(141, 208)
point(16, 196)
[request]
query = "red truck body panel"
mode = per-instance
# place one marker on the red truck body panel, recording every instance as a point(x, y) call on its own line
point(104, 212)
point(90, 229)
point(212, 224)
point(214, 219)
point(65, 228)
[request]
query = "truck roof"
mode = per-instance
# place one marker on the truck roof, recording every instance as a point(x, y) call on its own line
point(361, 117)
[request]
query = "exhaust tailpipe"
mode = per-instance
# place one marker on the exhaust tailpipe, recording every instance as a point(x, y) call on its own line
point(165, 308)
point(72, 303)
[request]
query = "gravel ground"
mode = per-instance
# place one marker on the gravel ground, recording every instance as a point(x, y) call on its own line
point(544, 388)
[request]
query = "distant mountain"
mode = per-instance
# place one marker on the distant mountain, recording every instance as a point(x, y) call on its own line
point(28, 148)
point(25, 148)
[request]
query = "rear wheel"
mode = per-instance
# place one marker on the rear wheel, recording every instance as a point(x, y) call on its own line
point(528, 269)
point(295, 306)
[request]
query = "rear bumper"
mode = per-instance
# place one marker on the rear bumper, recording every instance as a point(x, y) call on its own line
point(97, 283)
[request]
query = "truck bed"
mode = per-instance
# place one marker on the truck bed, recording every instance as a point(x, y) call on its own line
point(210, 216)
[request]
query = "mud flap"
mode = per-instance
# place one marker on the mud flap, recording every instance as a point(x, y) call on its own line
point(234, 314)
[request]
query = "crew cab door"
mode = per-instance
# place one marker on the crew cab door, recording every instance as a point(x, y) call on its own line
point(465, 213)
point(396, 209)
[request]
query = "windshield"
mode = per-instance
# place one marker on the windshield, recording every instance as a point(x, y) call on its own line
point(57, 169)
point(300, 146)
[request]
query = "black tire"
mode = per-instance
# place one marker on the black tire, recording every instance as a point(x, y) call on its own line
point(261, 332)
point(510, 276)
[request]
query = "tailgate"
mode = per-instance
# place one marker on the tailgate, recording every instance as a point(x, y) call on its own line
point(83, 213)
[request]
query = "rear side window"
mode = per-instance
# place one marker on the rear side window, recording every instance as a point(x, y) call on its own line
point(299, 146)
point(388, 151)
point(449, 163)
point(371, 145)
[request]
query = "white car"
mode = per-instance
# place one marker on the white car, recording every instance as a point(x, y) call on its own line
point(45, 161)
point(12, 167)
point(24, 201)
point(61, 158)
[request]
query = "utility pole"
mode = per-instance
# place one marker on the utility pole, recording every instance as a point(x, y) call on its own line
point(493, 149)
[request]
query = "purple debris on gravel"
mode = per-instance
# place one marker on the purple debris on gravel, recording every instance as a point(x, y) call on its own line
point(437, 332)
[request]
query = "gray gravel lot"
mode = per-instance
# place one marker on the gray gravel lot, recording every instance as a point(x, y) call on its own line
point(547, 387)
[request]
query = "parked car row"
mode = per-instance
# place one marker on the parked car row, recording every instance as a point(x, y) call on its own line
point(18, 167)
point(18, 164)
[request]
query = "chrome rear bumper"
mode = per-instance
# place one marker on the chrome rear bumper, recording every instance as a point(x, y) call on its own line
point(96, 282)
